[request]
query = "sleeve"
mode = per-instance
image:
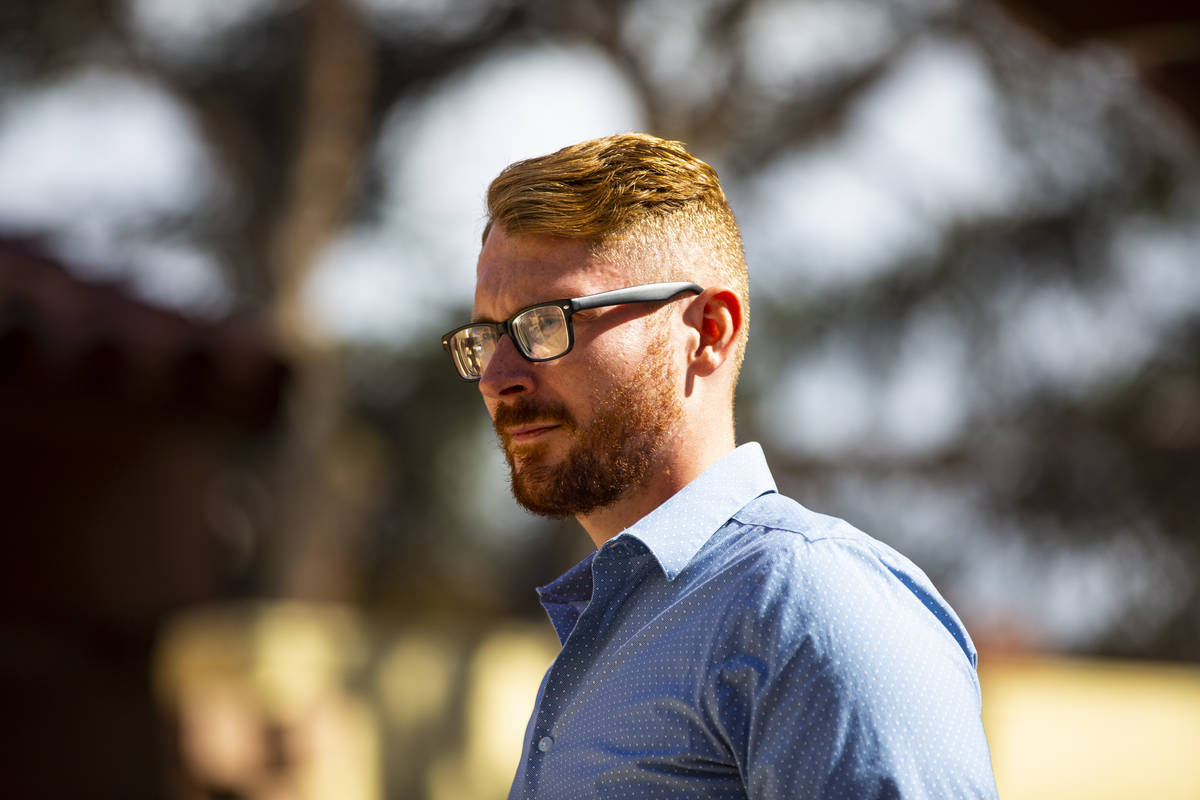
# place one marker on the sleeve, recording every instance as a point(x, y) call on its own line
point(841, 678)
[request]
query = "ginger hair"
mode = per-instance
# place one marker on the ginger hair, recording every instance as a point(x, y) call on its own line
point(637, 200)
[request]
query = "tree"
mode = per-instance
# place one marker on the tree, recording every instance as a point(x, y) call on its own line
point(1047, 309)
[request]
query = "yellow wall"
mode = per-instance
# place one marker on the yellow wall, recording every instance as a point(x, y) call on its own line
point(1061, 729)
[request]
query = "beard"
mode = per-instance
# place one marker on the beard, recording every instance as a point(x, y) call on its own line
point(606, 457)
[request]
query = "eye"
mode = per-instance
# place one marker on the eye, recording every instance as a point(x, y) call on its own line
point(542, 332)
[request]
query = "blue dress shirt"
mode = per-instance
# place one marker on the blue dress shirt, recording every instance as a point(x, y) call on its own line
point(733, 644)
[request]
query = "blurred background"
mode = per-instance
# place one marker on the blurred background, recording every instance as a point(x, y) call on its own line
point(259, 537)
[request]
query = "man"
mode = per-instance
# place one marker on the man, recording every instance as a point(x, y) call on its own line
point(722, 641)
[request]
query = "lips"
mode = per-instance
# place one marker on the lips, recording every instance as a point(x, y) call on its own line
point(524, 422)
point(528, 434)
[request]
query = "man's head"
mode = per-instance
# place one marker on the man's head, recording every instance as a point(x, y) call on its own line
point(637, 199)
point(645, 393)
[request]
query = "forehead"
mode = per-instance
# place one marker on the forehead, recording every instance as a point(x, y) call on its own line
point(517, 271)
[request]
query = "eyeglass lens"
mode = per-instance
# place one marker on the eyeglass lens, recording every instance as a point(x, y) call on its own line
point(541, 332)
point(472, 348)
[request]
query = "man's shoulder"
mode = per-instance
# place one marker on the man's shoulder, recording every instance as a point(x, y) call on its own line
point(774, 536)
point(778, 544)
point(785, 555)
point(788, 537)
point(777, 513)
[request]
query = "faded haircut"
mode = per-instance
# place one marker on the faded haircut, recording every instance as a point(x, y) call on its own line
point(638, 200)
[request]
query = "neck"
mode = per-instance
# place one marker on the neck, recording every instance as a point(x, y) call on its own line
point(664, 481)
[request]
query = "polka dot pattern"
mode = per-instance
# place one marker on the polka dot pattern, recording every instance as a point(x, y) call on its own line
point(734, 644)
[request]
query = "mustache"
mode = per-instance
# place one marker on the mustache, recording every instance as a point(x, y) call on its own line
point(526, 411)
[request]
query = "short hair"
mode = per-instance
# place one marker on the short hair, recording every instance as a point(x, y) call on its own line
point(645, 200)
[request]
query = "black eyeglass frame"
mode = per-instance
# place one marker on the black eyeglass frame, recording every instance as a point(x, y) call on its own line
point(646, 293)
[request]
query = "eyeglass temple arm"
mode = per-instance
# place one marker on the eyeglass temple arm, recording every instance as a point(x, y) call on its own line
point(651, 292)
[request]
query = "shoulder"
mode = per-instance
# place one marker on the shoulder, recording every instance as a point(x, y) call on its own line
point(776, 512)
point(786, 536)
point(818, 574)
point(780, 535)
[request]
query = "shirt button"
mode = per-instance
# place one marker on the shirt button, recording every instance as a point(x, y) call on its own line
point(545, 743)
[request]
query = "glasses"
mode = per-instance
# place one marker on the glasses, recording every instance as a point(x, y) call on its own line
point(543, 332)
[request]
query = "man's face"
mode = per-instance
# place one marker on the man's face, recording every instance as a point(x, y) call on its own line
point(582, 430)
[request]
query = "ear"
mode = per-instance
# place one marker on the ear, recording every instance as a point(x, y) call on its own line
point(716, 319)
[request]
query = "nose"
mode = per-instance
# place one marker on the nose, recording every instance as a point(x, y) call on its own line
point(507, 373)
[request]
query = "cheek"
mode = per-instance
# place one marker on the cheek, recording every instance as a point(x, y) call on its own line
point(623, 346)
point(604, 364)
point(580, 385)
point(613, 378)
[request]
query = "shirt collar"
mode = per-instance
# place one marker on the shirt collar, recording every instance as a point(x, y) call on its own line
point(676, 530)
